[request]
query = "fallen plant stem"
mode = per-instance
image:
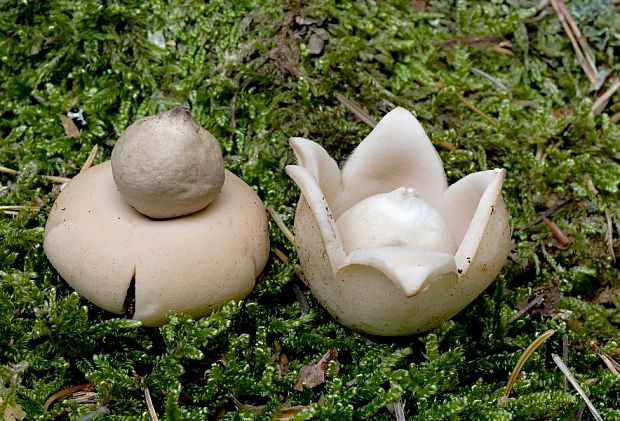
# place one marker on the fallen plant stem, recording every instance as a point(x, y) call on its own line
point(357, 110)
point(526, 354)
point(472, 107)
point(280, 223)
point(543, 216)
point(564, 369)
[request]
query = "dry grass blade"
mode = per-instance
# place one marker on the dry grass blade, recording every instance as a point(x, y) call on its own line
point(149, 405)
point(91, 158)
point(584, 56)
point(615, 118)
point(564, 369)
point(276, 218)
point(8, 170)
point(66, 392)
point(601, 101)
point(526, 354)
point(357, 110)
point(472, 107)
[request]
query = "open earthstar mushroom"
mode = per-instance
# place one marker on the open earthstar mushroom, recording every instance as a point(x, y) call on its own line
point(385, 245)
point(117, 257)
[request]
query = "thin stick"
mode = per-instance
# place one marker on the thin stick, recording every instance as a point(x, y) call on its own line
point(477, 111)
point(526, 354)
point(601, 101)
point(613, 366)
point(357, 110)
point(276, 218)
point(615, 118)
point(542, 216)
point(149, 405)
point(575, 384)
point(8, 170)
point(91, 158)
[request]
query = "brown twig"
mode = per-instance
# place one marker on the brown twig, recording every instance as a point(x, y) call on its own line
point(477, 111)
point(356, 110)
point(582, 51)
point(599, 105)
point(542, 216)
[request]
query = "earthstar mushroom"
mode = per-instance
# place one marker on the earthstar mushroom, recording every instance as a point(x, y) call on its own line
point(196, 263)
point(385, 245)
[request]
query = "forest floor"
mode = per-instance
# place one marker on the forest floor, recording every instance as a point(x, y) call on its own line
point(529, 86)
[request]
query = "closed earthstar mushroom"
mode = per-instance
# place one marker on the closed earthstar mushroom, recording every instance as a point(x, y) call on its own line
point(127, 262)
point(385, 245)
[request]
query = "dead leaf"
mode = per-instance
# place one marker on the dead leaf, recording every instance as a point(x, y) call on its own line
point(314, 374)
point(541, 303)
point(315, 44)
point(71, 130)
point(13, 412)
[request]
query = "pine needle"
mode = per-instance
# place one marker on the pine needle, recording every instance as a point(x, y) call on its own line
point(357, 110)
point(276, 218)
point(526, 354)
point(564, 369)
point(477, 111)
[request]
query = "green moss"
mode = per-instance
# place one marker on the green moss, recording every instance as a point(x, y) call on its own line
point(249, 77)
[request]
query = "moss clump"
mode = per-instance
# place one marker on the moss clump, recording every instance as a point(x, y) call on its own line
point(254, 76)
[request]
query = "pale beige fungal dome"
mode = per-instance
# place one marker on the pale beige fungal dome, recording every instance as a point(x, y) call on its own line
point(167, 166)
